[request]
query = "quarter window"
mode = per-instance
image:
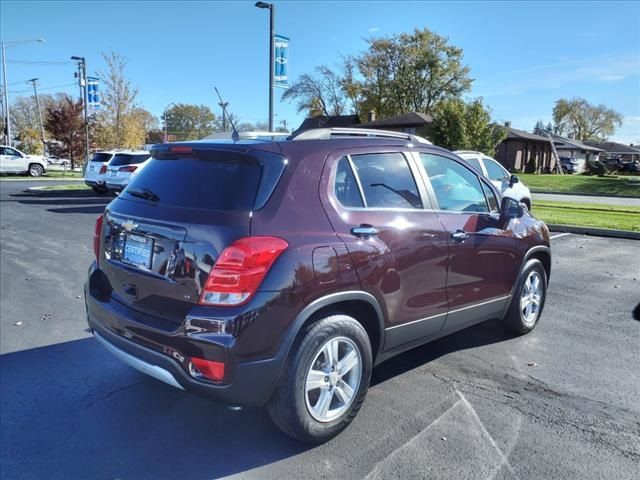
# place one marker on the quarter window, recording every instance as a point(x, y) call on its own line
point(386, 181)
point(346, 186)
point(456, 187)
point(495, 171)
point(491, 197)
point(475, 162)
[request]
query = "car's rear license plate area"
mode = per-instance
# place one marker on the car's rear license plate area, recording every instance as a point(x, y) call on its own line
point(138, 251)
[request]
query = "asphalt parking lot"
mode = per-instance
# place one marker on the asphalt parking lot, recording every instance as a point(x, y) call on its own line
point(562, 402)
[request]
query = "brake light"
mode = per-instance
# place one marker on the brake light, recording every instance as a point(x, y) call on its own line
point(96, 237)
point(103, 169)
point(240, 269)
point(129, 168)
point(211, 370)
point(180, 149)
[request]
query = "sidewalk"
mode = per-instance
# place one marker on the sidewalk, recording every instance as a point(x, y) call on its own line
point(561, 197)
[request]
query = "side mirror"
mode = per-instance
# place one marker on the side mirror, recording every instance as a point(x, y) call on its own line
point(513, 180)
point(510, 208)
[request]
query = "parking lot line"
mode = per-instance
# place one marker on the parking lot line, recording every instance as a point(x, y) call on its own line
point(558, 235)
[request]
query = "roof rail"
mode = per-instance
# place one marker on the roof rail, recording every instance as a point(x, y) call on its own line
point(337, 132)
point(469, 151)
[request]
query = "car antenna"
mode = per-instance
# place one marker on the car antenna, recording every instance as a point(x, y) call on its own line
point(235, 136)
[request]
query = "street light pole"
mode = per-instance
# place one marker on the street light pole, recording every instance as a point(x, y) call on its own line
point(272, 14)
point(83, 64)
point(35, 92)
point(4, 46)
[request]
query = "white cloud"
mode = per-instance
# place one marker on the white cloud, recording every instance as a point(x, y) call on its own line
point(373, 29)
point(611, 78)
point(555, 75)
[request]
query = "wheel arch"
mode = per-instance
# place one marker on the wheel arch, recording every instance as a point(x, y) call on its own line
point(541, 253)
point(362, 306)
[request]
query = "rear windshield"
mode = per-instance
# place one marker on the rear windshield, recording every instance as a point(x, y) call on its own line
point(128, 159)
point(210, 181)
point(101, 157)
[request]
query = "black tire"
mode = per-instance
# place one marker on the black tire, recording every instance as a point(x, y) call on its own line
point(515, 319)
point(35, 170)
point(100, 190)
point(288, 406)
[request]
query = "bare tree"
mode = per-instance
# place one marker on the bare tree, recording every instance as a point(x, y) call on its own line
point(583, 121)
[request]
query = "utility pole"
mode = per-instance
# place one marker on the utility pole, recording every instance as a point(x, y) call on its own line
point(223, 106)
point(35, 92)
point(166, 133)
point(284, 124)
point(272, 14)
point(3, 47)
point(82, 66)
point(7, 124)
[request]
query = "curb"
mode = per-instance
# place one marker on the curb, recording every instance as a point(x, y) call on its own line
point(598, 232)
point(570, 194)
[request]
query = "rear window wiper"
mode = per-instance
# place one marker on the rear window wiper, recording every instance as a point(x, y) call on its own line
point(145, 193)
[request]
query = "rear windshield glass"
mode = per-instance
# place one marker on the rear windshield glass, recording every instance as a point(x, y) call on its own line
point(101, 157)
point(128, 159)
point(210, 181)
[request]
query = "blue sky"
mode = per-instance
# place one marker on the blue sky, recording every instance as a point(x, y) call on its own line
point(523, 55)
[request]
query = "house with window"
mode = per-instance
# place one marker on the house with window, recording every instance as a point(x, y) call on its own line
point(613, 150)
point(576, 150)
point(521, 148)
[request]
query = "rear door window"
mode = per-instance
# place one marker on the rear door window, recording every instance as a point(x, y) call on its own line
point(386, 180)
point(209, 181)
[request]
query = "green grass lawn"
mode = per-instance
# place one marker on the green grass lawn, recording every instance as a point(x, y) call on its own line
point(622, 185)
point(588, 215)
point(56, 188)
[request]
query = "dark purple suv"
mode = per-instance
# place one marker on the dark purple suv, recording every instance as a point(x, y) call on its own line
point(279, 273)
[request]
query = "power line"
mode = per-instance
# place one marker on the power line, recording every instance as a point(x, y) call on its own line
point(46, 88)
point(38, 62)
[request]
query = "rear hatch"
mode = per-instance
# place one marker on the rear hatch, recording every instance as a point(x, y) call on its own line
point(163, 234)
point(96, 163)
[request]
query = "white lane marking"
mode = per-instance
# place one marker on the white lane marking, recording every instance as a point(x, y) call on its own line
point(504, 458)
point(559, 235)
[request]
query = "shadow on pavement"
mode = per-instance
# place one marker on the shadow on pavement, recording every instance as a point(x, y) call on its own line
point(84, 201)
point(71, 410)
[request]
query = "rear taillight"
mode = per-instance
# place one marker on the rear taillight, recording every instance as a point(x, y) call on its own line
point(240, 269)
point(130, 168)
point(96, 237)
point(103, 169)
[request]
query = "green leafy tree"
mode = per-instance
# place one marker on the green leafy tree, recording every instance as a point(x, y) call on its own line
point(459, 125)
point(190, 122)
point(583, 121)
point(540, 129)
point(65, 122)
point(410, 72)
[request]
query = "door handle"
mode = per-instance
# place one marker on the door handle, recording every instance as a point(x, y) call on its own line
point(364, 231)
point(459, 235)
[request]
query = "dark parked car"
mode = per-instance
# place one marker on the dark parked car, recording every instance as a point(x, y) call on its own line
point(568, 164)
point(280, 273)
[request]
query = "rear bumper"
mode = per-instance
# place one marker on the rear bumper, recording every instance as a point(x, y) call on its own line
point(252, 385)
point(253, 351)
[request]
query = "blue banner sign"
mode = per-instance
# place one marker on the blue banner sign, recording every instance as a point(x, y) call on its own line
point(93, 97)
point(281, 59)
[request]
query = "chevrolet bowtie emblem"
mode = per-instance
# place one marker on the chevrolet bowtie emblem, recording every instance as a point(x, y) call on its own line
point(129, 225)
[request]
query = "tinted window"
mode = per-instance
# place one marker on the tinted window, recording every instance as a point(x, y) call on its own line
point(101, 157)
point(120, 159)
point(495, 170)
point(475, 162)
point(491, 197)
point(11, 152)
point(210, 181)
point(346, 187)
point(456, 187)
point(387, 181)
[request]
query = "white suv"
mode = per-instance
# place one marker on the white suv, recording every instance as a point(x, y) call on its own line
point(94, 175)
point(123, 166)
point(508, 184)
point(13, 160)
